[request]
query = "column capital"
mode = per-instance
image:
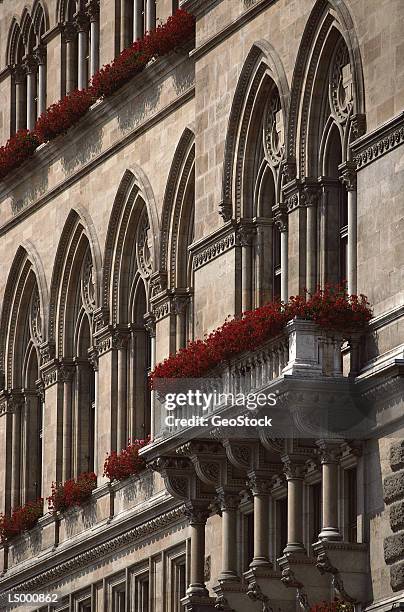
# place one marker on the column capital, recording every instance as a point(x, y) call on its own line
point(93, 358)
point(120, 339)
point(227, 500)
point(347, 172)
point(66, 371)
point(30, 64)
point(197, 513)
point(150, 324)
point(40, 54)
point(81, 21)
point(180, 303)
point(258, 485)
point(245, 234)
point(281, 221)
point(329, 451)
point(293, 467)
point(93, 10)
point(19, 74)
point(69, 31)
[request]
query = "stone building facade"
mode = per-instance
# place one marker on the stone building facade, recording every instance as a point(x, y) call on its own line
point(263, 160)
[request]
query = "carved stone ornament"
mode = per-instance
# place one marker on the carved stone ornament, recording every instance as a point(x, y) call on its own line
point(144, 245)
point(35, 318)
point(273, 130)
point(88, 283)
point(341, 85)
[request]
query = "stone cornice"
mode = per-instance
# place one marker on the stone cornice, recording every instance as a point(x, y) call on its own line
point(85, 552)
point(210, 247)
point(374, 145)
point(98, 113)
point(198, 8)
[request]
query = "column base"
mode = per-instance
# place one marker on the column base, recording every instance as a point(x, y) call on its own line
point(294, 547)
point(198, 603)
point(263, 562)
point(228, 576)
point(197, 590)
point(330, 533)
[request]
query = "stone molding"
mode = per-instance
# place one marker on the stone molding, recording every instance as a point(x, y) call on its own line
point(214, 245)
point(374, 145)
point(147, 529)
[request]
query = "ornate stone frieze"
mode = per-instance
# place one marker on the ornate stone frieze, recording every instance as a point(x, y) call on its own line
point(213, 248)
point(374, 145)
point(144, 530)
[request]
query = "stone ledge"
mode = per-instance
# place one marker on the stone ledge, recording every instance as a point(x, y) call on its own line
point(394, 487)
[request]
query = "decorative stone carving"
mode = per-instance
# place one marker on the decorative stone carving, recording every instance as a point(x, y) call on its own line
point(144, 245)
point(341, 84)
point(88, 283)
point(213, 250)
point(348, 175)
point(255, 593)
point(35, 317)
point(273, 130)
point(246, 235)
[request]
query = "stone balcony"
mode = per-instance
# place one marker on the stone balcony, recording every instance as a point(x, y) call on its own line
point(210, 467)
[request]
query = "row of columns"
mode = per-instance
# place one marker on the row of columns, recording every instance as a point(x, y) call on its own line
point(260, 488)
point(30, 89)
point(141, 14)
point(82, 62)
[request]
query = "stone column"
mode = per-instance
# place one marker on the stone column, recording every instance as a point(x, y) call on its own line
point(16, 404)
point(120, 343)
point(5, 445)
point(180, 308)
point(246, 236)
point(82, 28)
point(150, 326)
point(310, 199)
point(150, 15)
point(20, 113)
point(329, 453)
point(348, 178)
point(228, 505)
point(125, 24)
point(294, 476)
point(138, 19)
point(197, 520)
point(260, 491)
point(66, 376)
point(31, 71)
point(40, 56)
point(70, 34)
point(264, 264)
point(94, 15)
point(94, 364)
point(281, 221)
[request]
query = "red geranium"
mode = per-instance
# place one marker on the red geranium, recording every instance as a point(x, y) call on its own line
point(332, 308)
point(73, 492)
point(332, 606)
point(22, 519)
point(61, 115)
point(18, 148)
point(127, 462)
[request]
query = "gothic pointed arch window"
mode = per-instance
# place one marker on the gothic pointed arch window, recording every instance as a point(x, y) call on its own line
point(129, 265)
point(26, 58)
point(326, 116)
point(80, 42)
point(252, 187)
point(73, 302)
point(177, 238)
point(22, 332)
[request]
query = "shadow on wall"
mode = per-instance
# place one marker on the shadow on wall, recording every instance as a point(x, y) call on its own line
point(31, 191)
point(83, 150)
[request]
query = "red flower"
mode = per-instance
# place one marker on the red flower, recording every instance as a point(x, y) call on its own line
point(59, 117)
point(73, 492)
point(332, 606)
point(18, 148)
point(22, 519)
point(332, 308)
point(127, 462)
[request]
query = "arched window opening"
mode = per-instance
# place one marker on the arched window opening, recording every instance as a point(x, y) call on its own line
point(80, 43)
point(27, 60)
point(137, 18)
point(20, 336)
point(261, 230)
